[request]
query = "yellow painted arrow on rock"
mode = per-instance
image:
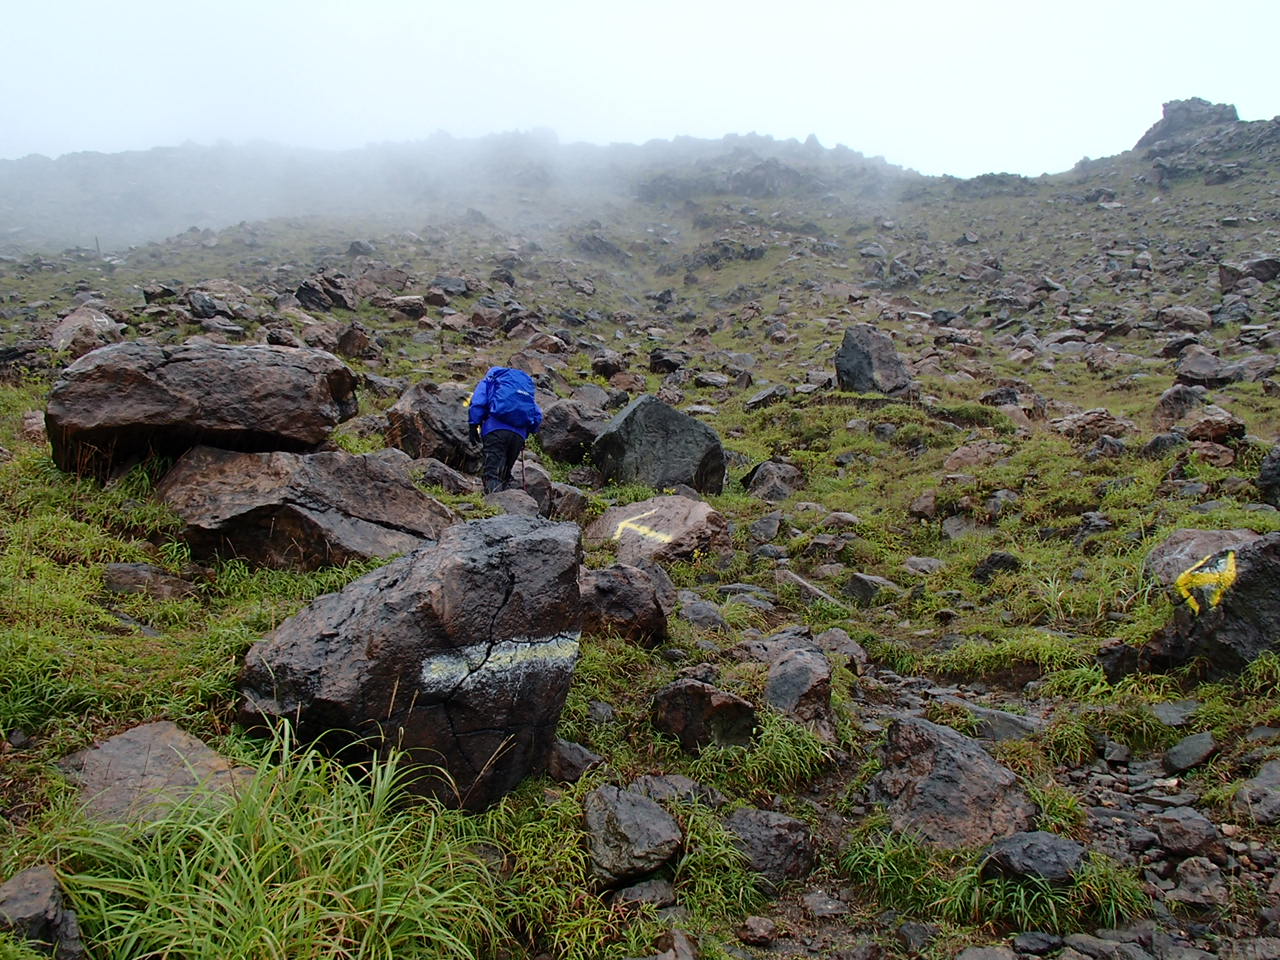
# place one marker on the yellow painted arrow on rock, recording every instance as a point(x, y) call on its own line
point(1218, 576)
point(649, 532)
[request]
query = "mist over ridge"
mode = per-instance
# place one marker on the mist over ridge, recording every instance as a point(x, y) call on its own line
point(119, 199)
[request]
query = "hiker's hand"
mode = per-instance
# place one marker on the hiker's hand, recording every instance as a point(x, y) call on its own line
point(473, 431)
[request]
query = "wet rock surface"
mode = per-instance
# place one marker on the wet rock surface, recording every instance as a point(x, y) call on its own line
point(466, 646)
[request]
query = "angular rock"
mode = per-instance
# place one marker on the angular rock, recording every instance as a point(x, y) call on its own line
point(83, 330)
point(126, 401)
point(1199, 884)
point(1269, 477)
point(654, 444)
point(868, 363)
point(773, 481)
point(567, 762)
point(622, 600)
point(1035, 854)
point(1185, 831)
point(299, 511)
point(1259, 798)
point(628, 835)
point(676, 788)
point(799, 679)
point(140, 774)
point(430, 420)
point(1230, 612)
point(1175, 403)
point(698, 714)
point(435, 473)
point(145, 578)
point(1183, 549)
point(777, 846)
point(460, 653)
point(1091, 425)
point(944, 787)
point(662, 529)
point(32, 909)
point(1190, 752)
point(569, 428)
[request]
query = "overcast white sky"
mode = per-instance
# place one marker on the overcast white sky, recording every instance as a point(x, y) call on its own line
point(945, 87)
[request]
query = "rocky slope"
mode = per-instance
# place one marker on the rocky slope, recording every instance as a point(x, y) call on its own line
point(969, 642)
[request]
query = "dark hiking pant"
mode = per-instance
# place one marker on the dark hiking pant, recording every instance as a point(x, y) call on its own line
point(501, 447)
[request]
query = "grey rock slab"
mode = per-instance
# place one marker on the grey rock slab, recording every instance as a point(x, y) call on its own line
point(1035, 854)
point(777, 846)
point(628, 835)
point(299, 511)
point(140, 774)
point(1190, 752)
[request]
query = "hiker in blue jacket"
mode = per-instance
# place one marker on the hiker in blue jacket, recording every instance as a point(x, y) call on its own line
point(503, 413)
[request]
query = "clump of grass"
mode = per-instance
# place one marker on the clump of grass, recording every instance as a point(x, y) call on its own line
point(309, 858)
point(786, 753)
point(547, 898)
point(1022, 652)
point(713, 876)
point(927, 883)
point(953, 715)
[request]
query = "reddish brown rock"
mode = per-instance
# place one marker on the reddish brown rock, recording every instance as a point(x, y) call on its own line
point(126, 401)
point(300, 511)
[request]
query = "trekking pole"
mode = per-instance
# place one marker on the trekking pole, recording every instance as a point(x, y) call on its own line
point(524, 477)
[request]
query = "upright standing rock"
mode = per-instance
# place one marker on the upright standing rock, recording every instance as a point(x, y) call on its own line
point(868, 363)
point(430, 420)
point(121, 403)
point(652, 443)
point(461, 653)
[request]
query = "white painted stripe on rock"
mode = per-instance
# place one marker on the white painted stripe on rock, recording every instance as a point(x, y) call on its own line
point(501, 663)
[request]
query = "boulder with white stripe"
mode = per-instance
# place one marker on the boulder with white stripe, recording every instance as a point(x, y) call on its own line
point(460, 653)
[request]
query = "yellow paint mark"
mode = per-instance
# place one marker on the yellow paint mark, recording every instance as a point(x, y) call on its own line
point(1219, 576)
point(648, 532)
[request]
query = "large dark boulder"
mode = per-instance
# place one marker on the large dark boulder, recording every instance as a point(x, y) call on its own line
point(299, 511)
point(430, 420)
point(1229, 611)
point(652, 443)
point(942, 786)
point(868, 363)
point(119, 404)
point(569, 428)
point(460, 653)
